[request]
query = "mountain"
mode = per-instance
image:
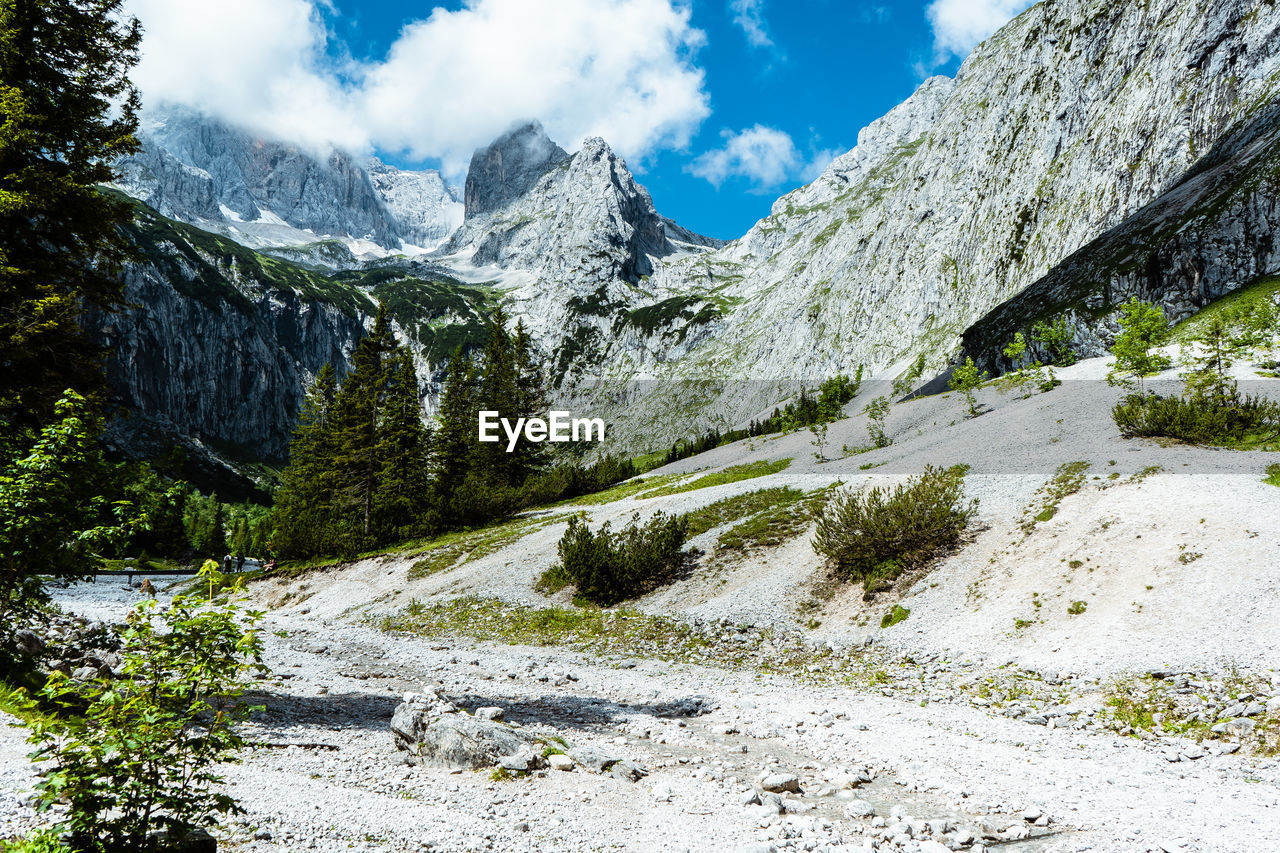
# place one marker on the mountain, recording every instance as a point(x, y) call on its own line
point(265, 193)
point(1085, 152)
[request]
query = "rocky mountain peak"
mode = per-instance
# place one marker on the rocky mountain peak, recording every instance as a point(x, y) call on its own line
point(509, 167)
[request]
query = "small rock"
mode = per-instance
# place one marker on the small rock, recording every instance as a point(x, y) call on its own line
point(860, 808)
point(491, 712)
point(778, 782)
point(561, 762)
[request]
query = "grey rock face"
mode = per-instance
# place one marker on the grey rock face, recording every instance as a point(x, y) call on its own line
point(1209, 233)
point(509, 167)
point(267, 193)
point(422, 206)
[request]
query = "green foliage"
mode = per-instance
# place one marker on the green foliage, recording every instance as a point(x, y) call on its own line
point(907, 381)
point(1273, 474)
point(786, 519)
point(608, 567)
point(52, 520)
point(1075, 608)
point(1143, 328)
point(732, 474)
point(726, 510)
point(896, 614)
point(1234, 421)
point(877, 410)
point(966, 379)
point(140, 752)
point(69, 112)
point(874, 534)
point(41, 841)
point(1056, 338)
point(806, 410)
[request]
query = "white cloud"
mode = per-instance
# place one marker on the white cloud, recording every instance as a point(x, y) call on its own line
point(765, 156)
point(259, 63)
point(749, 15)
point(959, 25)
point(621, 69)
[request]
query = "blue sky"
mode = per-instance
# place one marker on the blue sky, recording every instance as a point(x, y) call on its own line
point(719, 106)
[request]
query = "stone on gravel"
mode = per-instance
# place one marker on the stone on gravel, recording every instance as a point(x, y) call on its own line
point(489, 713)
point(860, 808)
point(559, 761)
point(445, 738)
point(778, 782)
point(524, 760)
point(628, 771)
point(592, 758)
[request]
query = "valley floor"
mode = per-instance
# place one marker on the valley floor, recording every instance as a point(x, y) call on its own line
point(986, 717)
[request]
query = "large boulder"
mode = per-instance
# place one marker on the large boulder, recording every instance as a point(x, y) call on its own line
point(435, 731)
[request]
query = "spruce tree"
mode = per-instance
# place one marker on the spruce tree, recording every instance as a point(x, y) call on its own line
point(356, 413)
point(456, 433)
point(69, 111)
point(404, 446)
point(303, 519)
point(498, 392)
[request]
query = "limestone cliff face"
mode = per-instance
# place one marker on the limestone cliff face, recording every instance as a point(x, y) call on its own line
point(1057, 129)
point(508, 168)
point(1210, 233)
point(266, 193)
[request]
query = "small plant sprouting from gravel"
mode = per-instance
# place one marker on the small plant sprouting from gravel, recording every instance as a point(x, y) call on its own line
point(896, 614)
point(1273, 474)
point(1075, 608)
point(1068, 480)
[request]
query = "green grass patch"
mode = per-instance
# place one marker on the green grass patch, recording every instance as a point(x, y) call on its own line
point(896, 614)
point(1068, 480)
point(621, 491)
point(740, 506)
point(1075, 608)
point(732, 474)
point(454, 549)
point(775, 525)
point(1273, 474)
point(1243, 300)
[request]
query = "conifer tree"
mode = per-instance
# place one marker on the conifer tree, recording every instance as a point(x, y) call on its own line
point(498, 392)
point(69, 111)
point(531, 400)
point(457, 431)
point(356, 414)
point(404, 446)
point(303, 520)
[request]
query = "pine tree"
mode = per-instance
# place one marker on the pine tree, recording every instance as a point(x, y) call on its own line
point(303, 517)
point(69, 111)
point(404, 446)
point(356, 413)
point(456, 433)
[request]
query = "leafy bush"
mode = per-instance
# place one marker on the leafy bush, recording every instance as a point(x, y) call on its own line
point(895, 615)
point(1199, 418)
point(874, 534)
point(1056, 338)
point(608, 567)
point(1076, 608)
point(966, 379)
point(137, 754)
point(1273, 474)
point(41, 841)
point(877, 410)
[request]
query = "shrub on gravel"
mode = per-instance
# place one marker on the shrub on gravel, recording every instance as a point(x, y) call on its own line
point(141, 752)
point(1236, 419)
point(1273, 474)
point(875, 534)
point(608, 567)
point(897, 614)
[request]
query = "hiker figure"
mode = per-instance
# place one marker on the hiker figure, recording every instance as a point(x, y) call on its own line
point(227, 562)
point(147, 589)
point(271, 565)
point(240, 561)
